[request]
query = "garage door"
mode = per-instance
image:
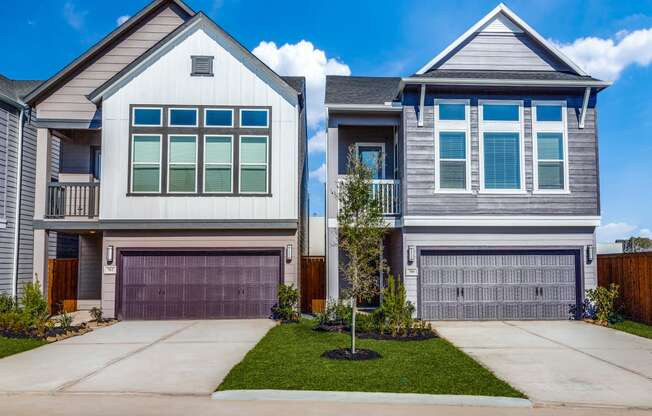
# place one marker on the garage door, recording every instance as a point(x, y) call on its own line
point(197, 285)
point(485, 285)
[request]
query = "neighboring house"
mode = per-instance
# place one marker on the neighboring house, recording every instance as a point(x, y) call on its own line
point(317, 236)
point(182, 170)
point(489, 174)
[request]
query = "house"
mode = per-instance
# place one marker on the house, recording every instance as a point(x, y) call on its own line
point(182, 170)
point(488, 174)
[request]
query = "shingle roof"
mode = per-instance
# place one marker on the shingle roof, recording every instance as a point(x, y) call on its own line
point(15, 90)
point(298, 83)
point(361, 90)
point(506, 75)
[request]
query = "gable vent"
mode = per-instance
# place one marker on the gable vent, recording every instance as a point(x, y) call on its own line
point(202, 66)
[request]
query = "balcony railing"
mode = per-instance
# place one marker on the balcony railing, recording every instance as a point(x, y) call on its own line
point(388, 191)
point(73, 199)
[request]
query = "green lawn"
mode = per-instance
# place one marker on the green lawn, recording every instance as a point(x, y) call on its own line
point(9, 346)
point(289, 358)
point(636, 328)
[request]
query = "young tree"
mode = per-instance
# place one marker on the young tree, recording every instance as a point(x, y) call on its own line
point(361, 231)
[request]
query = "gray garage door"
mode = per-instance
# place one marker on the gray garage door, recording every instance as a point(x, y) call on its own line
point(197, 285)
point(485, 285)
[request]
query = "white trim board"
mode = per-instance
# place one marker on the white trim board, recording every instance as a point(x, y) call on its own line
point(501, 221)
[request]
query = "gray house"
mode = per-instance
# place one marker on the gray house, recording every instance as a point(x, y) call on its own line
point(488, 174)
point(182, 170)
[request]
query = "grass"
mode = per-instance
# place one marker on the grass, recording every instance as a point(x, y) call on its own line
point(10, 346)
point(636, 328)
point(289, 358)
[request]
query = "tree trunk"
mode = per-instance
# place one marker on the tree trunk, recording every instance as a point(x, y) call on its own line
point(354, 310)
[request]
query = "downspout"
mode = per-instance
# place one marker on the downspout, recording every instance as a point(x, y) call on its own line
point(19, 174)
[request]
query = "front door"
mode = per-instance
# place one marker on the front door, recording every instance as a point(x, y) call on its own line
point(372, 156)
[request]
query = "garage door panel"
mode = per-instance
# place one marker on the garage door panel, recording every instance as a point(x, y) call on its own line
point(477, 311)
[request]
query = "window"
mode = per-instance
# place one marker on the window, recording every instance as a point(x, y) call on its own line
point(146, 117)
point(549, 132)
point(253, 164)
point(182, 117)
point(452, 143)
point(218, 164)
point(146, 163)
point(222, 117)
point(501, 146)
point(182, 164)
point(201, 66)
point(254, 118)
point(372, 155)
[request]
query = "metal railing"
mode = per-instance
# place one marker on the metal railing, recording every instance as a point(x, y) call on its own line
point(388, 191)
point(73, 199)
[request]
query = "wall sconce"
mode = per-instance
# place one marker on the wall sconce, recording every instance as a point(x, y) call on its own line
point(288, 253)
point(109, 254)
point(589, 254)
point(412, 254)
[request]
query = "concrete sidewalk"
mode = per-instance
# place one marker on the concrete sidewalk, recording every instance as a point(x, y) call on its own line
point(160, 357)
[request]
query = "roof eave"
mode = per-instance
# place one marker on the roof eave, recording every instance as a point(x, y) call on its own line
point(505, 82)
point(393, 107)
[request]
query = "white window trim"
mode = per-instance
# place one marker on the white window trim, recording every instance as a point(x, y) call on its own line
point(206, 164)
point(502, 127)
point(373, 144)
point(266, 110)
point(170, 163)
point(549, 127)
point(206, 110)
point(133, 116)
point(240, 164)
point(453, 126)
point(133, 163)
point(183, 125)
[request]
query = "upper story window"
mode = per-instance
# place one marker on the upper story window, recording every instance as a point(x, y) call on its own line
point(452, 143)
point(500, 129)
point(550, 146)
point(253, 164)
point(257, 118)
point(182, 163)
point(146, 163)
point(182, 117)
point(147, 116)
point(218, 164)
point(218, 117)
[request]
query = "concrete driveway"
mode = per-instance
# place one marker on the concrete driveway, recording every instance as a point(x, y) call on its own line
point(561, 362)
point(160, 357)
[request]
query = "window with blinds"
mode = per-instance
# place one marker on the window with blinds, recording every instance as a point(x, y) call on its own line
point(182, 164)
point(452, 131)
point(146, 163)
point(218, 164)
point(253, 164)
point(549, 132)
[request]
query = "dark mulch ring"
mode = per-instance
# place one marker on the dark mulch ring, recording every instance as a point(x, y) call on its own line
point(49, 333)
point(345, 354)
point(416, 336)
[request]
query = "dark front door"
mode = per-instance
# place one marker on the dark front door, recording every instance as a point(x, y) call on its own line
point(197, 285)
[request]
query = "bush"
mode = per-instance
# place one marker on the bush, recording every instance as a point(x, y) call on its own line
point(395, 312)
point(288, 301)
point(65, 319)
point(584, 310)
point(336, 313)
point(15, 321)
point(604, 299)
point(7, 303)
point(96, 314)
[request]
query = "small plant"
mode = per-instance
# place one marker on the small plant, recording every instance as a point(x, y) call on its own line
point(7, 303)
point(287, 306)
point(395, 312)
point(65, 319)
point(335, 313)
point(604, 299)
point(96, 314)
point(585, 310)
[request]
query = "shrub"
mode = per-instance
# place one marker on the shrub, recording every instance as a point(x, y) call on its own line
point(395, 312)
point(604, 299)
point(15, 321)
point(335, 313)
point(7, 303)
point(584, 310)
point(65, 319)
point(96, 313)
point(288, 301)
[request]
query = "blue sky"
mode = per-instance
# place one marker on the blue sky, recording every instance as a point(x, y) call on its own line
point(611, 40)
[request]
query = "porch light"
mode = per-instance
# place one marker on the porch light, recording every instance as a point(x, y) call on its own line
point(412, 254)
point(109, 254)
point(288, 253)
point(589, 254)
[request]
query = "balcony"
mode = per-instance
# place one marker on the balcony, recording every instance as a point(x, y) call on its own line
point(388, 191)
point(73, 200)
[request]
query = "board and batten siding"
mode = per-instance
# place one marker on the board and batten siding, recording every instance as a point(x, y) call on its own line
point(167, 80)
point(419, 175)
point(89, 284)
point(539, 238)
point(69, 102)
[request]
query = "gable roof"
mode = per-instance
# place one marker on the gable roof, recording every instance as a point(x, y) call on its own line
point(508, 19)
point(12, 91)
point(361, 90)
point(199, 18)
point(96, 50)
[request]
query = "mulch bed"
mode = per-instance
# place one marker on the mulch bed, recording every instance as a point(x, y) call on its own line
point(345, 354)
point(417, 336)
point(57, 333)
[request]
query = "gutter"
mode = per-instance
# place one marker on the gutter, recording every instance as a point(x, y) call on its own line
point(393, 106)
point(503, 82)
point(19, 174)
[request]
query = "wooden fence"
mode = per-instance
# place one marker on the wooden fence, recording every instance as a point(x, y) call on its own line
point(62, 285)
point(313, 284)
point(633, 273)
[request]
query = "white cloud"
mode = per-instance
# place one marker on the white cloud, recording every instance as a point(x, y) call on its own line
point(317, 143)
point(74, 17)
point(645, 232)
point(613, 231)
point(319, 173)
point(607, 58)
point(303, 59)
point(120, 20)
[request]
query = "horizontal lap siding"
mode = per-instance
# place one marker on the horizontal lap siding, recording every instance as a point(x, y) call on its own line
point(70, 102)
point(8, 171)
point(420, 171)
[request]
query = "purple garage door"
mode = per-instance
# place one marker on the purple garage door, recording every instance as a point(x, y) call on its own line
point(197, 285)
